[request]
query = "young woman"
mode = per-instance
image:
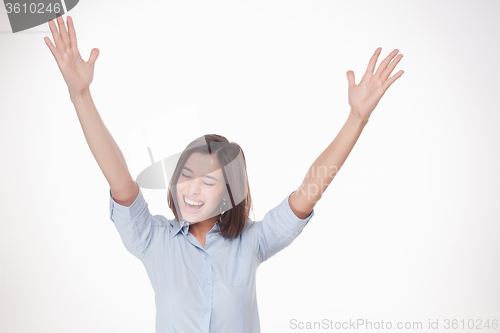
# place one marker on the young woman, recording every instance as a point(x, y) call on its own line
point(202, 263)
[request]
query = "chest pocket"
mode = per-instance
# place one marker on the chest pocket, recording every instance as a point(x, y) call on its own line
point(238, 272)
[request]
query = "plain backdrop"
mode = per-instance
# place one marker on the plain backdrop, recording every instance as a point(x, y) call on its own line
point(407, 231)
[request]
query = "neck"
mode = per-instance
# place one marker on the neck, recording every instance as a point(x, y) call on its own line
point(202, 228)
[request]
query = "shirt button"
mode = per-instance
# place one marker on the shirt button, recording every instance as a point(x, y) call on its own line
point(206, 256)
point(206, 310)
point(207, 282)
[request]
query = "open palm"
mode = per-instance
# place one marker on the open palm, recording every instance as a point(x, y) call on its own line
point(77, 73)
point(364, 97)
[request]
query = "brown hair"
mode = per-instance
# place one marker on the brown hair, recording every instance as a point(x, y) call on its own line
point(234, 170)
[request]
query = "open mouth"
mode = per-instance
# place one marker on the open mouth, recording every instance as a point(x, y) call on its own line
point(191, 208)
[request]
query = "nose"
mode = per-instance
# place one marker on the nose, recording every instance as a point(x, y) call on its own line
point(194, 186)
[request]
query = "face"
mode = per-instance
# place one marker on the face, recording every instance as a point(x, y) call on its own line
point(201, 183)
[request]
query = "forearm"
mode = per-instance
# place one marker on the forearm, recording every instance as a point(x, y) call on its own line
point(102, 145)
point(363, 98)
point(328, 164)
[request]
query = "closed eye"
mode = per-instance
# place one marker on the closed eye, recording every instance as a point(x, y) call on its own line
point(203, 182)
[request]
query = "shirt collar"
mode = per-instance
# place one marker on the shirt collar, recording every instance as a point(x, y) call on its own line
point(177, 227)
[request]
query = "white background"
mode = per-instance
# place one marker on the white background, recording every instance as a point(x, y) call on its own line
point(407, 231)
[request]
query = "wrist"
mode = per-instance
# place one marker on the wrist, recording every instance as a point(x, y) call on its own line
point(79, 95)
point(354, 117)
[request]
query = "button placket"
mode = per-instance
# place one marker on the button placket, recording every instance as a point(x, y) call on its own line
point(208, 290)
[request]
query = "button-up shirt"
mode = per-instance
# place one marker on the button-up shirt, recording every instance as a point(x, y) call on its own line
point(207, 288)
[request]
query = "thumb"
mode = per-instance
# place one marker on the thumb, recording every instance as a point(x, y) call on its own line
point(350, 78)
point(93, 56)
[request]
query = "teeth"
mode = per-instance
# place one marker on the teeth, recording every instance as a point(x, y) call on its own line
point(192, 202)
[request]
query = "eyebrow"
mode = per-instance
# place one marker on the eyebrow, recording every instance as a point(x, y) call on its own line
point(207, 176)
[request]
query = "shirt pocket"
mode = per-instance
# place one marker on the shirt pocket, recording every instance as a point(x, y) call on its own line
point(238, 272)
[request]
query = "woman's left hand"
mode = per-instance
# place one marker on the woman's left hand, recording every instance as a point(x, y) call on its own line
point(364, 97)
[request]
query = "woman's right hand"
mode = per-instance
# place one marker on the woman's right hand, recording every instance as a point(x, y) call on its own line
point(77, 73)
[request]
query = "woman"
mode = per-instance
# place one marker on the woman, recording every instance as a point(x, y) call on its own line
point(202, 264)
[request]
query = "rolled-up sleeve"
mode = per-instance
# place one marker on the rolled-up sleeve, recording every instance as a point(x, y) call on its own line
point(278, 229)
point(137, 227)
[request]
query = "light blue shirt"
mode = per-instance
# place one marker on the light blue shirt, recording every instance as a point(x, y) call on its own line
point(203, 289)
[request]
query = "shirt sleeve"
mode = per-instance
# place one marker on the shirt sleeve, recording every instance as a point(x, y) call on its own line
point(137, 227)
point(278, 229)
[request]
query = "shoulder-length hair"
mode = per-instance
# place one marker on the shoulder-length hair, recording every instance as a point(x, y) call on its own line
point(232, 161)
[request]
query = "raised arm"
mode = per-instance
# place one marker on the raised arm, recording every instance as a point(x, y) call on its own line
point(363, 98)
point(78, 75)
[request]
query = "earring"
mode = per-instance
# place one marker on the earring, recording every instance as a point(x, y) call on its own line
point(222, 211)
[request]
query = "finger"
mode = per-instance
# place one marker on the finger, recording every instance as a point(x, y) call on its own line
point(62, 31)
point(55, 35)
point(393, 78)
point(93, 56)
point(383, 64)
point(72, 32)
point(385, 74)
point(373, 60)
point(350, 78)
point(53, 49)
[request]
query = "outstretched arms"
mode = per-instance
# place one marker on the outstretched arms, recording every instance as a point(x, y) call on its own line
point(78, 75)
point(363, 98)
point(325, 167)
